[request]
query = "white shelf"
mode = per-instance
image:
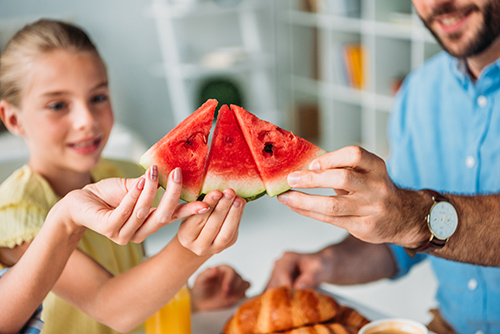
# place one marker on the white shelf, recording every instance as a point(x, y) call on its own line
point(190, 9)
point(325, 90)
point(325, 21)
point(193, 38)
point(200, 70)
point(394, 42)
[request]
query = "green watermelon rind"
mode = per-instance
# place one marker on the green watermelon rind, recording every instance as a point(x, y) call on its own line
point(242, 188)
point(247, 199)
point(281, 186)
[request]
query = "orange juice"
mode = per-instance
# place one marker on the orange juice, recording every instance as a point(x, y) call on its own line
point(173, 318)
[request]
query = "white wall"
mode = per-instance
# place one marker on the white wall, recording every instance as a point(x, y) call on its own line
point(127, 41)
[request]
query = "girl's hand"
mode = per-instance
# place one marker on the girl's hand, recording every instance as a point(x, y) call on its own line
point(216, 230)
point(121, 209)
point(217, 288)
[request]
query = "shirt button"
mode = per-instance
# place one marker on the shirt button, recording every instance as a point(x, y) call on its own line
point(472, 285)
point(482, 101)
point(470, 162)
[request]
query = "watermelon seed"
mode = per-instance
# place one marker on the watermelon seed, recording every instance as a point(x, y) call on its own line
point(269, 148)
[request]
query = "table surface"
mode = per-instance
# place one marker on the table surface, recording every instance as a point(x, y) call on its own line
point(213, 322)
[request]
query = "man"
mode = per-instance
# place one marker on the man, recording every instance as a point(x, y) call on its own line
point(445, 135)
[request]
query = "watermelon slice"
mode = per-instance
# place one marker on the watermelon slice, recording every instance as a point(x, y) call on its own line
point(230, 163)
point(276, 152)
point(186, 147)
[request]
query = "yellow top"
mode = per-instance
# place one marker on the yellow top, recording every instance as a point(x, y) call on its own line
point(25, 200)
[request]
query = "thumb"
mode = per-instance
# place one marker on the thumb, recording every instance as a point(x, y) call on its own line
point(305, 281)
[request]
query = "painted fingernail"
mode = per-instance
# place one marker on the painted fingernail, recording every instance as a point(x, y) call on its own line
point(140, 184)
point(283, 198)
point(314, 165)
point(153, 173)
point(202, 211)
point(293, 179)
point(177, 175)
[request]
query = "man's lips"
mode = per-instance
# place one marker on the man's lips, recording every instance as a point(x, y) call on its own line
point(453, 22)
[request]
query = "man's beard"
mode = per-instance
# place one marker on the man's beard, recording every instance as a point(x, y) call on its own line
point(489, 31)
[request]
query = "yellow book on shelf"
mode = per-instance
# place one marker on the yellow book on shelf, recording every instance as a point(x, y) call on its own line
point(354, 65)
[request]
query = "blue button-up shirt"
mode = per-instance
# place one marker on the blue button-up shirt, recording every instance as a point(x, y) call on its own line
point(445, 135)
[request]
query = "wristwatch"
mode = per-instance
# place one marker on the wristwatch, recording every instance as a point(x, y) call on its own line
point(442, 222)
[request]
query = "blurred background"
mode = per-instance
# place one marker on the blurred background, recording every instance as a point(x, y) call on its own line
point(325, 69)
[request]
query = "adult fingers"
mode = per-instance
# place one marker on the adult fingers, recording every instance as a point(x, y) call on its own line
point(348, 157)
point(341, 178)
point(284, 271)
point(331, 206)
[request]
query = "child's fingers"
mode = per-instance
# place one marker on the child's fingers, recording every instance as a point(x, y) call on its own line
point(192, 226)
point(216, 218)
point(228, 233)
point(164, 214)
point(143, 206)
point(120, 215)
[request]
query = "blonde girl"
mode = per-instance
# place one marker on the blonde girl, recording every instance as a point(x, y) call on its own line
point(54, 93)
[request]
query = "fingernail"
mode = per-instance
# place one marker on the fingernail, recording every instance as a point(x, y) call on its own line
point(228, 196)
point(314, 165)
point(202, 211)
point(283, 198)
point(153, 173)
point(216, 196)
point(142, 213)
point(140, 184)
point(236, 203)
point(293, 179)
point(177, 175)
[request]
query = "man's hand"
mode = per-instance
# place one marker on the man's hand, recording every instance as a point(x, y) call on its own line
point(300, 271)
point(368, 204)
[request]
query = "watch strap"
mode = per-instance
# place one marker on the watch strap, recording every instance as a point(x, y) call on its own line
point(433, 243)
point(436, 197)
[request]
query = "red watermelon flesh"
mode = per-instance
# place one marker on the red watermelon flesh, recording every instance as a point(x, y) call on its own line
point(230, 163)
point(186, 147)
point(276, 152)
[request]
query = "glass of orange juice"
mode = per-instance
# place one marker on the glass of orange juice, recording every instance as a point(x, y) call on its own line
point(173, 318)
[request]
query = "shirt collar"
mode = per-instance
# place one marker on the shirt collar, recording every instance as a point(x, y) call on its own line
point(463, 74)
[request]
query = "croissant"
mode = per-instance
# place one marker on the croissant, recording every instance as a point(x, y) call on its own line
point(326, 328)
point(281, 309)
point(351, 318)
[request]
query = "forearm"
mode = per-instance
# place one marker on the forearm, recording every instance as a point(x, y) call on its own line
point(476, 239)
point(126, 300)
point(25, 286)
point(355, 262)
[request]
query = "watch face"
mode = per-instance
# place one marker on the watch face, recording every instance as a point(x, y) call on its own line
point(443, 220)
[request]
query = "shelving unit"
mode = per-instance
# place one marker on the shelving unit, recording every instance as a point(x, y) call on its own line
point(394, 42)
point(190, 31)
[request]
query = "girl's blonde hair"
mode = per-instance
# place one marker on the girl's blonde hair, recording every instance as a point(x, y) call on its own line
point(30, 42)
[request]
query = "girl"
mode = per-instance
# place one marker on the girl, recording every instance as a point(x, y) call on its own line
point(54, 93)
point(25, 286)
